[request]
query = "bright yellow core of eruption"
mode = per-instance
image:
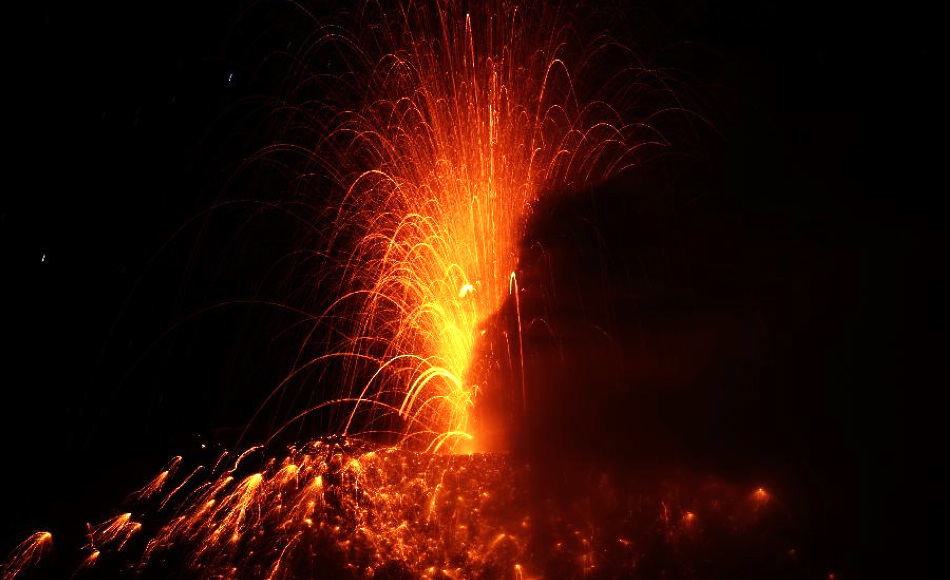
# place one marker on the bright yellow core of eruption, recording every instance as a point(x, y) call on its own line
point(466, 119)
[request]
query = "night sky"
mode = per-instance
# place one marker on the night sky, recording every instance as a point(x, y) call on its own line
point(813, 213)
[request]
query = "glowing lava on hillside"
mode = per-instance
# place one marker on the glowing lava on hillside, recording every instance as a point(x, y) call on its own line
point(338, 508)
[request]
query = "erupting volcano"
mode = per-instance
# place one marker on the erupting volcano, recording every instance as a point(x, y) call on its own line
point(424, 428)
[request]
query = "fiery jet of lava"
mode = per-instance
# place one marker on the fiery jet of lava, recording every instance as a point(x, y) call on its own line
point(462, 121)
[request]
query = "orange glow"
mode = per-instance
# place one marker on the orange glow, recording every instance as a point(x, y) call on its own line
point(91, 559)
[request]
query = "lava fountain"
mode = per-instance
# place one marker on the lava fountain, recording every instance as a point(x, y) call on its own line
point(414, 141)
point(450, 124)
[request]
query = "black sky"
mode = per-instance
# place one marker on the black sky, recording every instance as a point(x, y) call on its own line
point(825, 166)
